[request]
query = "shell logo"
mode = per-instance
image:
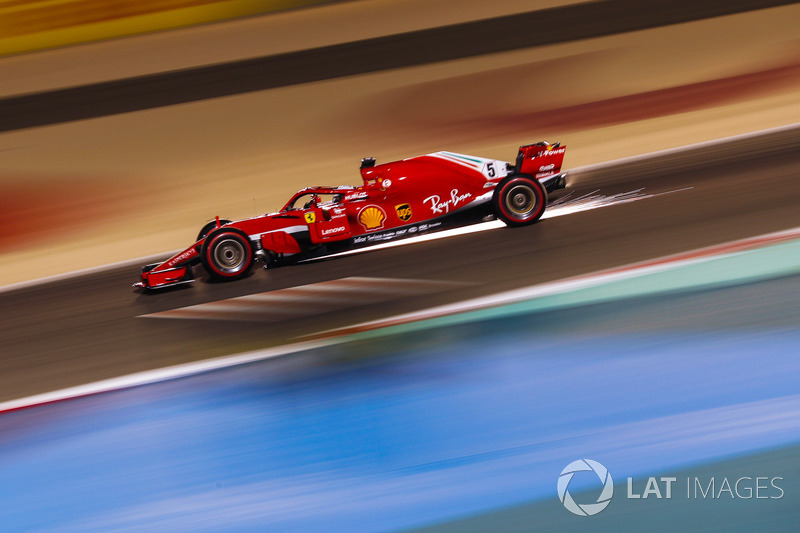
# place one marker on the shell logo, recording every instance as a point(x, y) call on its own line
point(372, 217)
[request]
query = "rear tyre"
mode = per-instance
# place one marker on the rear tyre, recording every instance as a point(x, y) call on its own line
point(519, 200)
point(227, 255)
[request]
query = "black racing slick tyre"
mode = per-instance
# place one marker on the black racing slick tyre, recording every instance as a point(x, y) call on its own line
point(227, 254)
point(208, 228)
point(519, 200)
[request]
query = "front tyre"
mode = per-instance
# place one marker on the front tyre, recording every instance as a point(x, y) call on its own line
point(208, 228)
point(519, 200)
point(227, 255)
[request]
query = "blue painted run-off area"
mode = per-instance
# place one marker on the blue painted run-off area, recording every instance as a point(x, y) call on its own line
point(415, 431)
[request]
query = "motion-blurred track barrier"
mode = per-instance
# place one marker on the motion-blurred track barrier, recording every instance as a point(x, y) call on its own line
point(27, 26)
point(72, 100)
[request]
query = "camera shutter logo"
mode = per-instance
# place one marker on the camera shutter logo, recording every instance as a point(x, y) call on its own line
point(587, 509)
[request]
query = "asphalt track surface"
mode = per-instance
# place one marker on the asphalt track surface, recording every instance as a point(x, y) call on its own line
point(88, 328)
point(501, 34)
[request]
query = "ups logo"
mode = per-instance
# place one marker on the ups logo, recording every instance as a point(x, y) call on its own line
point(403, 212)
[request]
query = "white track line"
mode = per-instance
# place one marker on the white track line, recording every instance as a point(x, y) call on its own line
point(162, 374)
point(571, 284)
point(139, 261)
point(641, 157)
point(693, 146)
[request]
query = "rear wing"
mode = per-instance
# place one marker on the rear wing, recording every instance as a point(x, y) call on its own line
point(541, 159)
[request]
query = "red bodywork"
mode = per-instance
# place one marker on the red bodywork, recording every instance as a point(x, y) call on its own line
point(396, 200)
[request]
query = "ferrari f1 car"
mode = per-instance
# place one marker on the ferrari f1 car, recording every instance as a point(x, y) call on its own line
point(397, 200)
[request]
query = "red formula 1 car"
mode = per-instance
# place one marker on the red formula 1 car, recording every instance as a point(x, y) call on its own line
point(397, 200)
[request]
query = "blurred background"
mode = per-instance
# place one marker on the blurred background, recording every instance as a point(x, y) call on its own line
point(609, 96)
point(124, 126)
